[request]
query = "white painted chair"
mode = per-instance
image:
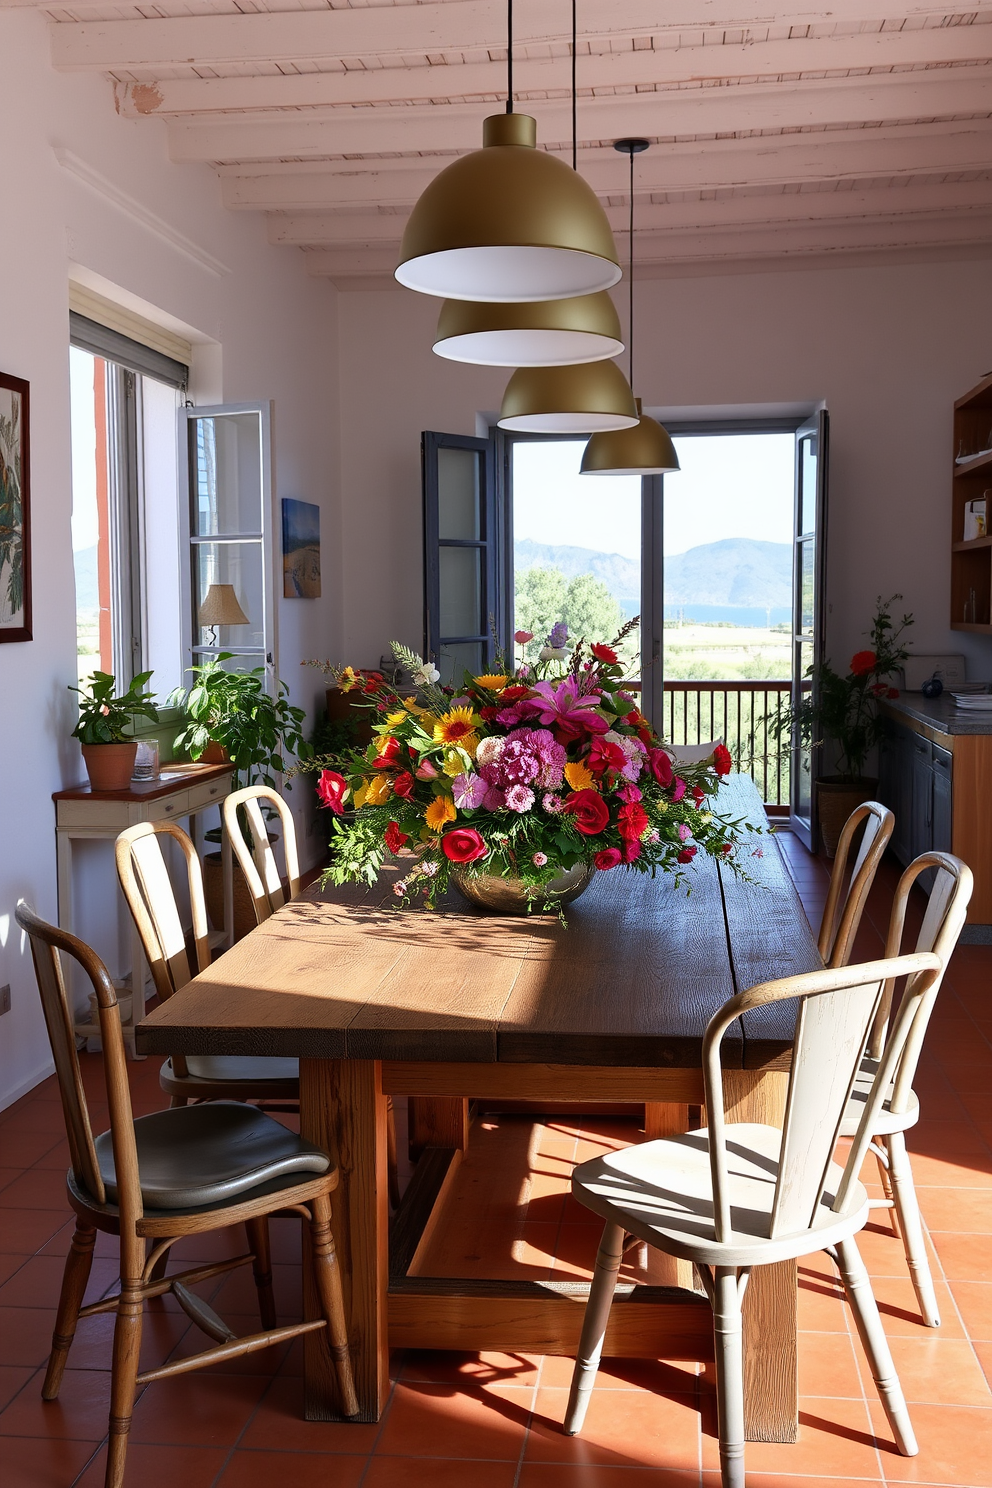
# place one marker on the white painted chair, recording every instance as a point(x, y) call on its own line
point(900, 1108)
point(732, 1198)
point(842, 914)
point(144, 877)
point(258, 862)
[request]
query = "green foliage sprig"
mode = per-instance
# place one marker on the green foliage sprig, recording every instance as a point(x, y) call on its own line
point(104, 718)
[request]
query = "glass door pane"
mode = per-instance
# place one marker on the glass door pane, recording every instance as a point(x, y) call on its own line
point(808, 617)
point(461, 585)
point(227, 464)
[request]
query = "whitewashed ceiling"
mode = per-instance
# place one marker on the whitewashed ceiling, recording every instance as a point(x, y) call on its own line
point(817, 129)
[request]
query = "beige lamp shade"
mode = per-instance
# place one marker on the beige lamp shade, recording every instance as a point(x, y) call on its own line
point(568, 400)
point(538, 333)
point(508, 223)
point(220, 607)
point(646, 449)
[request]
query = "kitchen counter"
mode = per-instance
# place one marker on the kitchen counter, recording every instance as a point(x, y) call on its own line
point(939, 713)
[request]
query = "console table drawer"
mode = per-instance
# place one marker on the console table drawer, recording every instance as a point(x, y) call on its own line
point(210, 792)
point(168, 808)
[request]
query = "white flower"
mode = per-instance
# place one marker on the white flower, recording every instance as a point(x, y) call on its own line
point(489, 749)
point(427, 675)
point(399, 888)
point(429, 869)
point(612, 737)
point(552, 653)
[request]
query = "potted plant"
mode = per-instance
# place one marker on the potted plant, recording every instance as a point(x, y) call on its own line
point(230, 715)
point(102, 727)
point(844, 709)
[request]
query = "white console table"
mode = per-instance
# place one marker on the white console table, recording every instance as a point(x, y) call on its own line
point(182, 790)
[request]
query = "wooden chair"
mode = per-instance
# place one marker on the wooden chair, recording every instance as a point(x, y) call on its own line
point(734, 1197)
point(153, 1180)
point(258, 862)
point(900, 1108)
point(144, 877)
point(842, 915)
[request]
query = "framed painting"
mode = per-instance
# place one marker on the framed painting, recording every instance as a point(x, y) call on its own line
point(15, 531)
point(300, 549)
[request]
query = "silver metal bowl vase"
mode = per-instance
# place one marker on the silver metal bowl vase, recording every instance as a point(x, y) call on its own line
point(511, 896)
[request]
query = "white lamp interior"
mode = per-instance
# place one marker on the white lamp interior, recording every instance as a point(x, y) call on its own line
point(510, 273)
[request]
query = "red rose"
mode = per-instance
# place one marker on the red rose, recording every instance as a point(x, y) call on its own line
point(687, 854)
point(893, 692)
point(331, 789)
point(488, 714)
point(388, 753)
point(633, 821)
point(698, 794)
point(590, 811)
point(722, 761)
point(463, 845)
point(727, 847)
point(395, 839)
point(863, 662)
point(609, 857)
point(605, 756)
point(605, 653)
point(373, 682)
point(679, 788)
point(403, 785)
point(660, 765)
point(631, 850)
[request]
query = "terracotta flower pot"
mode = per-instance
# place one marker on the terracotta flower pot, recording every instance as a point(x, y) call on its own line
point(215, 754)
point(835, 800)
point(110, 766)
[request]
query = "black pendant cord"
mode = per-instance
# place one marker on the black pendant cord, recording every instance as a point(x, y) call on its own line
point(575, 135)
point(630, 278)
point(509, 56)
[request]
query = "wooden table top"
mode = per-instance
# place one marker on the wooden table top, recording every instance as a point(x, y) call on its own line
point(171, 778)
point(633, 979)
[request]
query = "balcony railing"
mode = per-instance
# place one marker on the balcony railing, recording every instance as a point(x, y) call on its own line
point(735, 712)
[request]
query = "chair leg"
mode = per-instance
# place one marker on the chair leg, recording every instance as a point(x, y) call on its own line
point(885, 1178)
point(728, 1349)
point(257, 1231)
point(74, 1279)
point(392, 1168)
point(327, 1277)
point(127, 1349)
point(604, 1284)
point(176, 1102)
point(911, 1228)
point(862, 1299)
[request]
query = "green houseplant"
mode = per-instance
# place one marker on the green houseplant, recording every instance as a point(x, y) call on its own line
point(229, 715)
point(101, 729)
point(844, 709)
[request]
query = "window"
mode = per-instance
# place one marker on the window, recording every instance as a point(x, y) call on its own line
point(124, 399)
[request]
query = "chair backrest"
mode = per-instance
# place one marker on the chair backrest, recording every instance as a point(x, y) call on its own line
point(943, 920)
point(836, 1011)
point(48, 945)
point(144, 876)
point(258, 862)
point(841, 917)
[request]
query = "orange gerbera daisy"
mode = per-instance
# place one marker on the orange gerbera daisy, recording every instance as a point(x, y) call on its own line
point(578, 776)
point(491, 683)
point(441, 810)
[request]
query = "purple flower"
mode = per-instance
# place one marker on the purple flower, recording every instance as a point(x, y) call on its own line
point(563, 706)
point(519, 798)
point(469, 791)
point(558, 636)
point(636, 754)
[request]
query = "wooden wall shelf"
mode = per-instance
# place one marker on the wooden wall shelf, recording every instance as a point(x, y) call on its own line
point(971, 562)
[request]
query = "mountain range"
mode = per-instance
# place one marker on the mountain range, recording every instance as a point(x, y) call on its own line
point(738, 572)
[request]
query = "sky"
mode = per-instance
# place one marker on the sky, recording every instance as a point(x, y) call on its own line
point(729, 486)
point(85, 530)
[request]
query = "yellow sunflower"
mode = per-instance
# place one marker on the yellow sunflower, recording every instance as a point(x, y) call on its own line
point(393, 720)
point(440, 810)
point(578, 776)
point(490, 683)
point(458, 726)
point(453, 763)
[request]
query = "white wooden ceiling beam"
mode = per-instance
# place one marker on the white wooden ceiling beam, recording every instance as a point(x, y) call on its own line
point(708, 111)
point(632, 69)
point(316, 230)
point(405, 30)
point(833, 155)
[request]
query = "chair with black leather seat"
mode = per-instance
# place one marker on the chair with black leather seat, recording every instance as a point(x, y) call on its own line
point(156, 1179)
point(144, 877)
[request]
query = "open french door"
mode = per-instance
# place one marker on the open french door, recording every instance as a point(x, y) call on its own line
point(465, 547)
point(808, 610)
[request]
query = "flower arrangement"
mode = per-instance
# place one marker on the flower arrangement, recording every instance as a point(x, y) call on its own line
point(520, 773)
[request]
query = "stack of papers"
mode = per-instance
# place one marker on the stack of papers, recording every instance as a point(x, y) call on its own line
point(975, 702)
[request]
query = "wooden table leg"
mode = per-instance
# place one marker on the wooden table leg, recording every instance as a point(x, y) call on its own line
point(343, 1110)
point(668, 1119)
point(771, 1388)
point(437, 1121)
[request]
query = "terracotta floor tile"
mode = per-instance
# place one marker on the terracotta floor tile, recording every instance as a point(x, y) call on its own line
point(625, 1428)
point(432, 1472)
point(964, 1257)
point(444, 1421)
point(56, 1157)
point(881, 1250)
point(265, 1362)
point(13, 1378)
point(38, 1281)
point(657, 1377)
point(835, 1437)
point(822, 1305)
point(957, 1209)
point(960, 1170)
point(45, 1462)
point(900, 1311)
point(278, 1425)
point(32, 1117)
point(787, 1480)
point(602, 1475)
point(983, 1353)
point(974, 1299)
point(30, 1146)
point(430, 1366)
point(26, 1335)
point(80, 1413)
point(160, 1467)
point(38, 1188)
point(300, 1469)
point(827, 1365)
point(937, 1371)
point(955, 1446)
point(194, 1411)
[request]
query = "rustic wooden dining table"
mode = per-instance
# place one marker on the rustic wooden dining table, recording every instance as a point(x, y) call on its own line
point(458, 1006)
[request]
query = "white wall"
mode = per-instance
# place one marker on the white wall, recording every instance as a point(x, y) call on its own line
point(889, 348)
point(276, 331)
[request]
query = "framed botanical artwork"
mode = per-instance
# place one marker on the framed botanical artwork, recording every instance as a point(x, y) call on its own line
point(300, 549)
point(15, 546)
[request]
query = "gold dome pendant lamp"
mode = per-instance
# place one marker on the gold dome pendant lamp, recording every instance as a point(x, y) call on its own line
point(568, 400)
point(508, 223)
point(646, 448)
point(541, 333)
